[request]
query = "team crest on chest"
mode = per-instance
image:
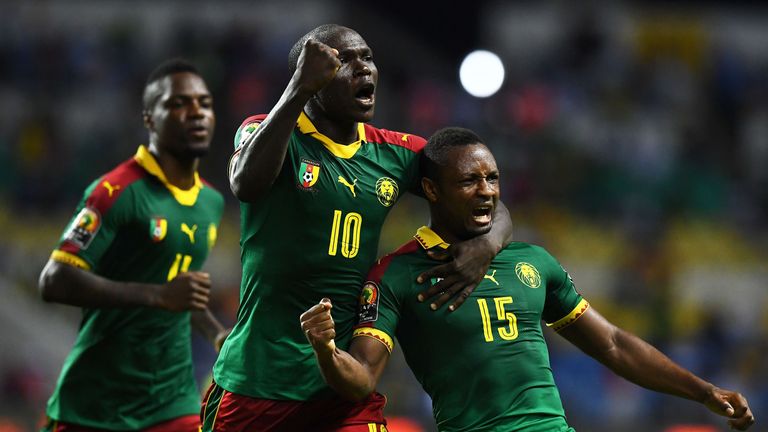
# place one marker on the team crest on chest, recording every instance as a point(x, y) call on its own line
point(158, 228)
point(84, 228)
point(386, 191)
point(369, 303)
point(309, 172)
point(528, 274)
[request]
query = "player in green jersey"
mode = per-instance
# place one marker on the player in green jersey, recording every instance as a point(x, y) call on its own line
point(131, 258)
point(316, 183)
point(494, 372)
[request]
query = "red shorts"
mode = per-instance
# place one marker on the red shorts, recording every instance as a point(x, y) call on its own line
point(190, 423)
point(224, 411)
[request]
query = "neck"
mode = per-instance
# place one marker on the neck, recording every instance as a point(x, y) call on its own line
point(179, 172)
point(342, 132)
point(441, 229)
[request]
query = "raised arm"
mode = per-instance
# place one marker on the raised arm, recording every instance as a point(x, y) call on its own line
point(637, 361)
point(471, 259)
point(67, 284)
point(256, 164)
point(352, 374)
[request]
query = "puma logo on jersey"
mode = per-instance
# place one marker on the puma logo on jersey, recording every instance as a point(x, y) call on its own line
point(491, 277)
point(109, 187)
point(189, 231)
point(351, 187)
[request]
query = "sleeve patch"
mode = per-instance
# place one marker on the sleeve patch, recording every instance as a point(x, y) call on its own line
point(246, 132)
point(84, 228)
point(369, 303)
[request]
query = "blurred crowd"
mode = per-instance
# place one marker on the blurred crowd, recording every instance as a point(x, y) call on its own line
point(631, 142)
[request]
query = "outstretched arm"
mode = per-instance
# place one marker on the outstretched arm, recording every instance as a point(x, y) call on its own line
point(352, 374)
point(471, 259)
point(634, 359)
point(256, 164)
point(67, 284)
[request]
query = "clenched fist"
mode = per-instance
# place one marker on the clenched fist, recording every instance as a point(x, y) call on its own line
point(319, 328)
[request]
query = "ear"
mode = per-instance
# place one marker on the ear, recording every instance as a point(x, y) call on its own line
point(147, 117)
point(430, 189)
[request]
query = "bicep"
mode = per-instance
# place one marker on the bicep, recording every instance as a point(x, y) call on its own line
point(592, 333)
point(372, 354)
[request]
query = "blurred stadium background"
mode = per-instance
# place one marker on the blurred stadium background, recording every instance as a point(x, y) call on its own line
point(632, 138)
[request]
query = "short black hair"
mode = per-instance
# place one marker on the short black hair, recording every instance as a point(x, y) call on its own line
point(168, 67)
point(435, 153)
point(320, 33)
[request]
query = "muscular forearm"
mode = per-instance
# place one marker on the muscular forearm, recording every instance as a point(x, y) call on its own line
point(639, 362)
point(345, 374)
point(262, 156)
point(62, 283)
point(501, 231)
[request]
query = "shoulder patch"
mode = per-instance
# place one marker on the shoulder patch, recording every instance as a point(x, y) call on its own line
point(84, 228)
point(369, 303)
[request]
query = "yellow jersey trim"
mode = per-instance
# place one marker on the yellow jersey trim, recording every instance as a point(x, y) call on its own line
point(571, 318)
point(429, 239)
point(69, 258)
point(376, 334)
point(185, 197)
point(344, 151)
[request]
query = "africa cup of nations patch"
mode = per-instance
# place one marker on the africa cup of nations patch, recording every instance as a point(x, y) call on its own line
point(369, 303)
point(309, 172)
point(84, 228)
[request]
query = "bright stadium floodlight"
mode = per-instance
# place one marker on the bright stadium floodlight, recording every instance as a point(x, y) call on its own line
point(481, 73)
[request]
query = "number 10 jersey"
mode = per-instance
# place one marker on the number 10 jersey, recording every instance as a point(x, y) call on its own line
point(314, 234)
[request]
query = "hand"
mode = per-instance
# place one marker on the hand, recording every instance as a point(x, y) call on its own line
point(187, 291)
point(732, 405)
point(316, 67)
point(460, 276)
point(319, 328)
point(218, 341)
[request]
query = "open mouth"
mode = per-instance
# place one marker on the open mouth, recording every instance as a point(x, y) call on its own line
point(198, 131)
point(365, 95)
point(482, 215)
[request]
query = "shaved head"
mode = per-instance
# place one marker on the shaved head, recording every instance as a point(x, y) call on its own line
point(322, 33)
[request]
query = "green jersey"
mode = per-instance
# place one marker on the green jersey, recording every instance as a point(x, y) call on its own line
point(315, 234)
point(132, 367)
point(486, 365)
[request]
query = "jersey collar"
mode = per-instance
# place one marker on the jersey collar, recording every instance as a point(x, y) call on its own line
point(344, 151)
point(185, 197)
point(429, 239)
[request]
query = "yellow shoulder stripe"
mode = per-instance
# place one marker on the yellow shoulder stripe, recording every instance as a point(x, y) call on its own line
point(569, 319)
point(376, 334)
point(71, 259)
point(429, 239)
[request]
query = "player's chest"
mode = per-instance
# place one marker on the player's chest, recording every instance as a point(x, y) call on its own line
point(369, 181)
point(510, 297)
point(160, 223)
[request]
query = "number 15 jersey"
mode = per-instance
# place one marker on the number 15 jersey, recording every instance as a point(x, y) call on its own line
point(314, 234)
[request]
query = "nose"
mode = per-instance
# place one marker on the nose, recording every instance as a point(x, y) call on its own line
point(486, 188)
point(195, 109)
point(362, 68)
